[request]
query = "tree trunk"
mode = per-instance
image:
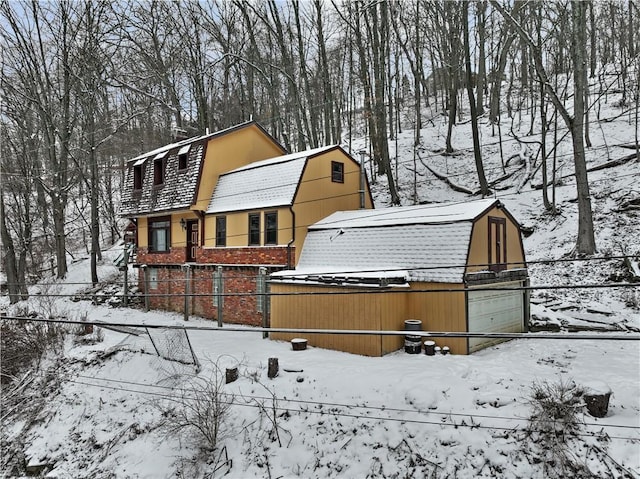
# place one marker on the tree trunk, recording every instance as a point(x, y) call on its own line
point(484, 187)
point(585, 244)
point(10, 265)
point(481, 78)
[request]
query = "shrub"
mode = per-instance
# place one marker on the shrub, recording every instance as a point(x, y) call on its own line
point(23, 344)
point(199, 410)
point(555, 422)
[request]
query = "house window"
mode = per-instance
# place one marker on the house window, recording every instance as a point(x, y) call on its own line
point(182, 161)
point(254, 229)
point(221, 231)
point(153, 278)
point(271, 228)
point(337, 172)
point(137, 177)
point(158, 172)
point(159, 235)
point(497, 243)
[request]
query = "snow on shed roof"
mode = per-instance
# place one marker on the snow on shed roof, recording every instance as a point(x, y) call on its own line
point(406, 215)
point(433, 253)
point(417, 243)
point(263, 184)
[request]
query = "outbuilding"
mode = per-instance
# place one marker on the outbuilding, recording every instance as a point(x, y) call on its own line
point(456, 267)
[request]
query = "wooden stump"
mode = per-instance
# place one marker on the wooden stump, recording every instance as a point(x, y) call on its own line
point(273, 368)
point(299, 344)
point(231, 375)
point(596, 398)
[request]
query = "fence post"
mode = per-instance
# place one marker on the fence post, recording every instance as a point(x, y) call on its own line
point(187, 289)
point(219, 294)
point(261, 298)
point(145, 272)
point(125, 269)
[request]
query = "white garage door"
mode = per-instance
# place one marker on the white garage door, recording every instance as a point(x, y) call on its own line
point(495, 312)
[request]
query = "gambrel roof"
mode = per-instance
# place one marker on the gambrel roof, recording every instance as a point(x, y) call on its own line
point(180, 187)
point(264, 184)
point(427, 243)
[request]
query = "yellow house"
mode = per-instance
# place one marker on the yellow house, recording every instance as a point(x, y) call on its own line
point(454, 267)
point(215, 211)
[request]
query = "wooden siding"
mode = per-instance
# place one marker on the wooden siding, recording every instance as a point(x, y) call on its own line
point(478, 249)
point(372, 311)
point(228, 152)
point(318, 196)
point(440, 311)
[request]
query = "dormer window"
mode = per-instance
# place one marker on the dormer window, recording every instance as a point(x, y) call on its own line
point(183, 157)
point(158, 168)
point(138, 174)
point(158, 172)
point(182, 161)
point(137, 177)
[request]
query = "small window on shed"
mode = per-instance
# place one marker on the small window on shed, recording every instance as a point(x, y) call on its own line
point(137, 177)
point(337, 172)
point(158, 172)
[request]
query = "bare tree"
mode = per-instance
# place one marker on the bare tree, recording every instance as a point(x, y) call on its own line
point(585, 244)
point(484, 187)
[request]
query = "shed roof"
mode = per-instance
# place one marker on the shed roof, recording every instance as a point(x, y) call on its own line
point(407, 215)
point(426, 243)
point(262, 184)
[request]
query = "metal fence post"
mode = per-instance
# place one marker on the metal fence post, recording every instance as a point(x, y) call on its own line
point(125, 269)
point(187, 289)
point(145, 272)
point(261, 298)
point(219, 293)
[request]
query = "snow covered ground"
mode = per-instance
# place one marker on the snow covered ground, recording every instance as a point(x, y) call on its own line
point(331, 414)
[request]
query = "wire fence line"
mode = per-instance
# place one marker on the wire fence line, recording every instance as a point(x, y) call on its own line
point(364, 332)
point(544, 261)
point(306, 402)
point(354, 290)
point(353, 415)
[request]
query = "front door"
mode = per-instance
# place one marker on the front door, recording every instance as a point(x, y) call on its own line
point(192, 240)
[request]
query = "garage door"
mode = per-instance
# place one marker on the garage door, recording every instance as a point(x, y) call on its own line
point(495, 312)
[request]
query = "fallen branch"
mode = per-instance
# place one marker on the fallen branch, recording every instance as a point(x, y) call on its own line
point(451, 184)
point(612, 163)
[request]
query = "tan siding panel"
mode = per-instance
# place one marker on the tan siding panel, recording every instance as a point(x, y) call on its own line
point(479, 248)
point(334, 311)
point(440, 311)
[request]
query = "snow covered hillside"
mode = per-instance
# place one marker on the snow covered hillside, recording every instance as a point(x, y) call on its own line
point(104, 407)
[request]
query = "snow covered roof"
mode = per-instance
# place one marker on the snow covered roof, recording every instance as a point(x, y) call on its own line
point(178, 189)
point(180, 184)
point(263, 184)
point(416, 243)
point(419, 214)
point(183, 143)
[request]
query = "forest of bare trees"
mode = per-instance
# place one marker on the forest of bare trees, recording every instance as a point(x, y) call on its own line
point(85, 85)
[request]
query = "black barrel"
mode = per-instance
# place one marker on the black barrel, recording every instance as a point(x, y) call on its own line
point(412, 343)
point(430, 348)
